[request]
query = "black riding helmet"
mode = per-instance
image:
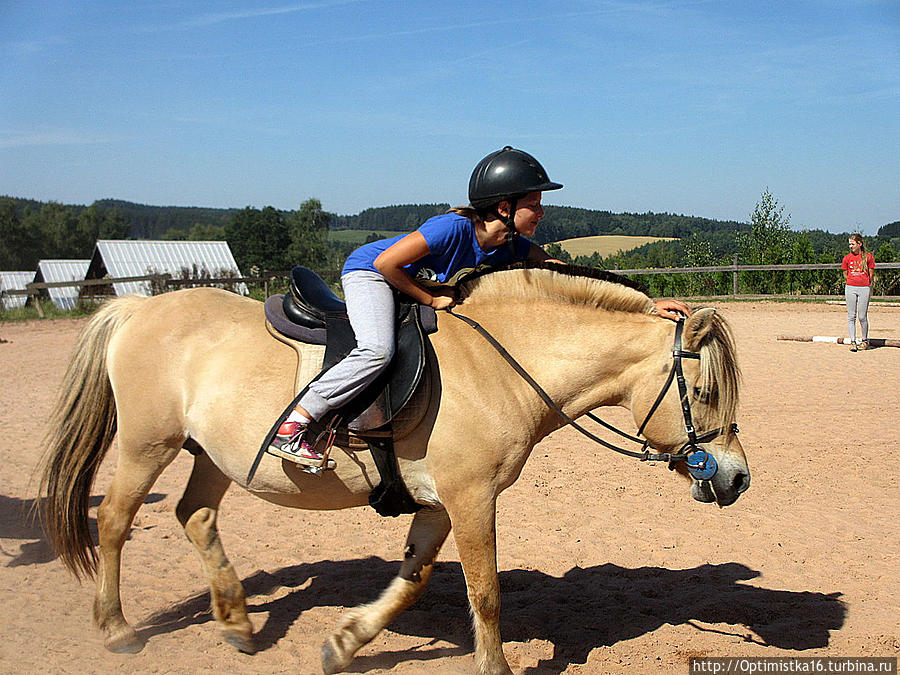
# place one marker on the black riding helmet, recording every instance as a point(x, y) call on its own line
point(507, 174)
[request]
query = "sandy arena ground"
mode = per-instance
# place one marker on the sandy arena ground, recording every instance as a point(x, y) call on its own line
point(607, 564)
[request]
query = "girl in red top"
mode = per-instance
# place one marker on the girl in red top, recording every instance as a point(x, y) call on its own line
point(859, 273)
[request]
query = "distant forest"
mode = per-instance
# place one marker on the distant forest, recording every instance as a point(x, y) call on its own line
point(560, 222)
point(272, 239)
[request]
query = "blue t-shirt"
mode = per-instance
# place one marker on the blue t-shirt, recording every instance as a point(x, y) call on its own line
point(452, 246)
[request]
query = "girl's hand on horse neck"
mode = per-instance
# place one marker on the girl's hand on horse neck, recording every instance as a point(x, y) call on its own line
point(442, 299)
point(669, 308)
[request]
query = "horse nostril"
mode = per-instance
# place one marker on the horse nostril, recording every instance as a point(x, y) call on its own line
point(741, 482)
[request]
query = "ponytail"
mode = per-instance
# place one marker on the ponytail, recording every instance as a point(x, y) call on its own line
point(863, 253)
point(470, 212)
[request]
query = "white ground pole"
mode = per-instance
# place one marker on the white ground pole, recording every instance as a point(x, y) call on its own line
point(873, 342)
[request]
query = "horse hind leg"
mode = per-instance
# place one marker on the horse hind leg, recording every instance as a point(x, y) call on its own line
point(138, 468)
point(360, 625)
point(197, 512)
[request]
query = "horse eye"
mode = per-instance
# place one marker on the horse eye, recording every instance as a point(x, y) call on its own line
point(700, 395)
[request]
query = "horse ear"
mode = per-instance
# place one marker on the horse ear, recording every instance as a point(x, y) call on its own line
point(697, 327)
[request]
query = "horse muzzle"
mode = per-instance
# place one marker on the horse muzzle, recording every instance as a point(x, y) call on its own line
point(722, 485)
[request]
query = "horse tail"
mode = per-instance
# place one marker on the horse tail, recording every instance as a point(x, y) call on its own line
point(81, 429)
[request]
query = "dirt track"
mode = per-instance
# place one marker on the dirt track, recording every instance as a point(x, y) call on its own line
point(607, 565)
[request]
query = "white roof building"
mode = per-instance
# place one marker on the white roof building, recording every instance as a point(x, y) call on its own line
point(182, 259)
point(53, 271)
point(14, 281)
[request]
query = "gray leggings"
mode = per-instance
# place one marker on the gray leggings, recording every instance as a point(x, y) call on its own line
point(370, 308)
point(857, 305)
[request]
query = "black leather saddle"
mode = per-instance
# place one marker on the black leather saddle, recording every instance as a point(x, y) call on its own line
point(312, 313)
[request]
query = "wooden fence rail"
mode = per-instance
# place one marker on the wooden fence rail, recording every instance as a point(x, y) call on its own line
point(166, 280)
point(735, 269)
point(161, 280)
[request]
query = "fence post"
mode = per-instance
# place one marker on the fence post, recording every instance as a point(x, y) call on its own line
point(35, 295)
point(734, 278)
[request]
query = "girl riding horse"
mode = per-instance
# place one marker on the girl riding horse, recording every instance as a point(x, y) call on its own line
point(505, 192)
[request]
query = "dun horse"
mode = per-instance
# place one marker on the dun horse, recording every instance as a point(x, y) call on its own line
point(197, 369)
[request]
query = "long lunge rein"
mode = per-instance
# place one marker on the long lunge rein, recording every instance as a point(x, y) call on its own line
point(701, 464)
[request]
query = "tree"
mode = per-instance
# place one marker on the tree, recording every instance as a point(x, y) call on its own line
point(57, 227)
point(206, 232)
point(96, 223)
point(768, 242)
point(557, 252)
point(770, 237)
point(19, 247)
point(890, 230)
point(259, 239)
point(308, 229)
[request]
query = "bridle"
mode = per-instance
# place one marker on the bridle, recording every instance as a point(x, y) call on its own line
point(700, 463)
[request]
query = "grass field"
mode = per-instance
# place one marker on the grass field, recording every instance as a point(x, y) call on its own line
point(606, 244)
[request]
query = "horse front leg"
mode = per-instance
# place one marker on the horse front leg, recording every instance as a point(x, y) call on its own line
point(475, 533)
point(197, 512)
point(360, 625)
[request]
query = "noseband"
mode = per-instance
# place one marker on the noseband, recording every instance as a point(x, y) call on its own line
point(700, 464)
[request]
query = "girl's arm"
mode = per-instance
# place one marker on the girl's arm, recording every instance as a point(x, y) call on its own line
point(391, 261)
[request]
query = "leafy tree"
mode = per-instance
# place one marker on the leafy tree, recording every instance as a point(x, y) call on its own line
point(887, 282)
point(802, 252)
point(768, 242)
point(372, 237)
point(57, 228)
point(556, 251)
point(769, 237)
point(95, 223)
point(890, 230)
point(19, 246)
point(206, 232)
point(113, 226)
point(308, 229)
point(174, 234)
point(698, 252)
point(259, 238)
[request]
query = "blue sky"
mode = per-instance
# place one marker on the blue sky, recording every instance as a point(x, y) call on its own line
point(690, 107)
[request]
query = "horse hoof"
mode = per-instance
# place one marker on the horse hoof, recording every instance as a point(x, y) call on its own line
point(331, 662)
point(126, 642)
point(243, 643)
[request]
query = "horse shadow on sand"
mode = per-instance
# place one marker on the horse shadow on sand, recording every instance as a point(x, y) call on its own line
point(19, 520)
point(576, 613)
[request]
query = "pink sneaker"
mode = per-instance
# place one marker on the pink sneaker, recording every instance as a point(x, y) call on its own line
point(290, 443)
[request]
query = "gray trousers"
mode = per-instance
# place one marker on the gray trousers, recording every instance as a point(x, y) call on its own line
point(370, 308)
point(857, 306)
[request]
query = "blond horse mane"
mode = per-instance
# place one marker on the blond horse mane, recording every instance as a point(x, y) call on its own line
point(559, 283)
point(569, 284)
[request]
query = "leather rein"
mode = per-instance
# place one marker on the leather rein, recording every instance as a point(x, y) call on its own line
point(700, 463)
